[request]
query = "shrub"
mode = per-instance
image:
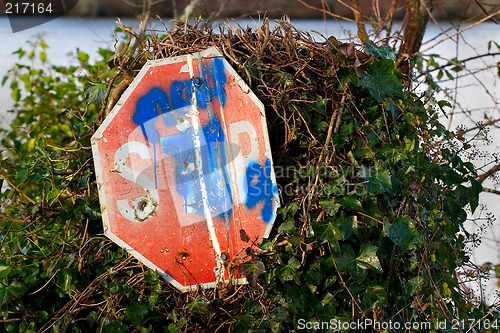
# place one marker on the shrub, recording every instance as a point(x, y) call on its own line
point(375, 195)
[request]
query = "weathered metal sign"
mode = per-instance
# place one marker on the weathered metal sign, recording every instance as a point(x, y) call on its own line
point(184, 169)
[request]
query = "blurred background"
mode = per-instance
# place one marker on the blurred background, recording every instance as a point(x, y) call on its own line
point(443, 9)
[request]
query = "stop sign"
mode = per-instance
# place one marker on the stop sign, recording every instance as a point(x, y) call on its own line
point(184, 170)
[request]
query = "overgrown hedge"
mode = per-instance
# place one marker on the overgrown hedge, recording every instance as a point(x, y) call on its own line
point(374, 191)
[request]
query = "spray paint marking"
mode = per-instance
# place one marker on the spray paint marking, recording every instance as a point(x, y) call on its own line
point(199, 148)
point(260, 188)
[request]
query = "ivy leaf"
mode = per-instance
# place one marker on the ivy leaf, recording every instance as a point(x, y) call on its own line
point(16, 94)
point(349, 202)
point(65, 279)
point(4, 271)
point(379, 180)
point(314, 273)
point(327, 232)
point(413, 285)
point(359, 266)
point(331, 207)
point(454, 209)
point(476, 189)
point(402, 232)
point(289, 272)
point(348, 226)
point(115, 327)
point(137, 313)
point(327, 308)
point(95, 93)
point(368, 257)
point(381, 81)
point(252, 270)
point(287, 227)
point(12, 290)
point(382, 52)
point(21, 175)
point(375, 296)
point(244, 323)
point(444, 103)
point(392, 154)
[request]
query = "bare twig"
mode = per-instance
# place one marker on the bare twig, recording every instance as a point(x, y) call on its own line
point(326, 12)
point(458, 32)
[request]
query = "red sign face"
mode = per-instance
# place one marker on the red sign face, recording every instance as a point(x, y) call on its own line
point(184, 169)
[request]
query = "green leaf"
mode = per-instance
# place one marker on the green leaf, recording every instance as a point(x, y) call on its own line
point(65, 279)
point(96, 93)
point(4, 271)
point(375, 296)
point(83, 57)
point(392, 154)
point(383, 52)
point(453, 178)
point(20, 52)
point(414, 285)
point(12, 290)
point(43, 57)
point(21, 175)
point(16, 94)
point(290, 209)
point(289, 272)
point(326, 231)
point(379, 180)
point(331, 207)
point(244, 324)
point(359, 266)
point(443, 103)
point(402, 232)
point(476, 189)
point(368, 256)
point(327, 308)
point(381, 81)
point(287, 227)
point(349, 202)
point(115, 327)
point(454, 209)
point(43, 315)
point(314, 273)
point(348, 226)
point(497, 271)
point(137, 313)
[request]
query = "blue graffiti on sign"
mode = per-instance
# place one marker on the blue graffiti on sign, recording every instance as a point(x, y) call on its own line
point(156, 104)
point(173, 109)
point(260, 187)
point(148, 108)
point(213, 174)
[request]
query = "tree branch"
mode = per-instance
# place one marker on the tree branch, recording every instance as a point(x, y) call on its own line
point(363, 36)
point(417, 13)
point(490, 190)
point(481, 178)
point(461, 61)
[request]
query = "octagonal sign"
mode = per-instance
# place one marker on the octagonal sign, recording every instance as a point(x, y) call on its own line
point(184, 170)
